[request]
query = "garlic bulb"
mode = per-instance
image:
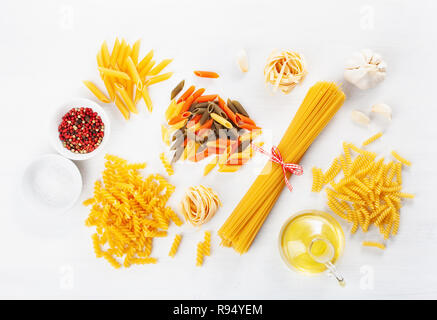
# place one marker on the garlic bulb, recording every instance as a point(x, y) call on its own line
point(360, 118)
point(365, 69)
point(242, 60)
point(382, 109)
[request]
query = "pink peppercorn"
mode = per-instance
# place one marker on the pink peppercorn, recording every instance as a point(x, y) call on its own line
point(81, 130)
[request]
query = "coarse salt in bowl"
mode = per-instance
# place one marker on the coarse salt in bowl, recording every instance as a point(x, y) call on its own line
point(57, 119)
point(51, 184)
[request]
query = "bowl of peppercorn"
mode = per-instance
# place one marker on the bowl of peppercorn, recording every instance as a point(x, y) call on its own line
point(79, 129)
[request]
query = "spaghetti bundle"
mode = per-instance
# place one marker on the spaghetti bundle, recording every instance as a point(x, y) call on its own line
point(319, 106)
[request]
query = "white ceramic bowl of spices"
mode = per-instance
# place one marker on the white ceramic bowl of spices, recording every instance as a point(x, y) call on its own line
point(79, 129)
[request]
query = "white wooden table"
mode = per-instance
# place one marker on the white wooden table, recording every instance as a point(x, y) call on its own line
point(48, 47)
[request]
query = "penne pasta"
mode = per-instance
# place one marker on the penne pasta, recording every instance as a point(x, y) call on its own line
point(229, 168)
point(135, 51)
point(114, 53)
point(160, 66)
point(122, 107)
point(134, 73)
point(96, 91)
point(211, 165)
point(145, 60)
point(221, 120)
point(159, 78)
point(126, 99)
point(114, 73)
point(146, 98)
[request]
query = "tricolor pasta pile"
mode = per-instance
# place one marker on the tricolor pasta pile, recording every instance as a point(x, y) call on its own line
point(126, 77)
point(369, 191)
point(199, 126)
point(128, 212)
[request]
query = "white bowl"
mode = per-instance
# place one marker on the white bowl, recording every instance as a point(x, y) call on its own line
point(57, 119)
point(51, 183)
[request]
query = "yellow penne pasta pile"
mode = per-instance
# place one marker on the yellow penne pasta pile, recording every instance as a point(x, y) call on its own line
point(128, 212)
point(126, 77)
point(368, 193)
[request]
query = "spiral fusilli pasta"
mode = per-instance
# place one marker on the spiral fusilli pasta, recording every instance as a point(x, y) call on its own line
point(166, 164)
point(128, 211)
point(369, 193)
point(175, 245)
point(372, 138)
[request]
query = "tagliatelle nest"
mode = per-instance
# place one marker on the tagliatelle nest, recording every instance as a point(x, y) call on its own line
point(284, 70)
point(199, 205)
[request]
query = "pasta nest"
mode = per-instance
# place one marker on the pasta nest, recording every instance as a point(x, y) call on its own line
point(284, 70)
point(199, 205)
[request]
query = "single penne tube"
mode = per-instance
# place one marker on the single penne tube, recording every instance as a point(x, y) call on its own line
point(109, 87)
point(186, 94)
point(126, 99)
point(170, 109)
point(229, 168)
point(221, 120)
point(178, 125)
point(105, 54)
point(137, 96)
point(114, 53)
point(133, 72)
point(160, 66)
point(122, 107)
point(126, 54)
point(114, 73)
point(251, 135)
point(146, 98)
point(96, 91)
point(99, 59)
point(159, 78)
point(122, 52)
point(144, 72)
point(211, 165)
point(165, 134)
point(241, 118)
point(206, 74)
point(135, 51)
point(145, 60)
point(177, 109)
point(130, 90)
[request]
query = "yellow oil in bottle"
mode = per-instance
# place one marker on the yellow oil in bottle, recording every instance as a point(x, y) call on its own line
point(312, 230)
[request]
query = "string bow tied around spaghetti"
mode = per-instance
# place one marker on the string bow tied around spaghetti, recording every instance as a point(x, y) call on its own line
point(276, 157)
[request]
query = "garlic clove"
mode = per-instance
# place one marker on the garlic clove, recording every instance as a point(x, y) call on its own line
point(360, 118)
point(242, 60)
point(382, 109)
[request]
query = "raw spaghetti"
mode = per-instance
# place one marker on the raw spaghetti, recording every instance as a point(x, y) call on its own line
point(319, 106)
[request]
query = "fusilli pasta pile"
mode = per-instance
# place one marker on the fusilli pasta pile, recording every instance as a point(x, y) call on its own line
point(128, 211)
point(369, 191)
